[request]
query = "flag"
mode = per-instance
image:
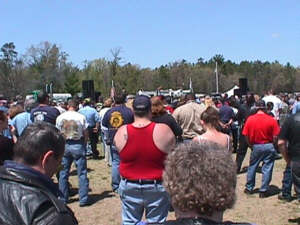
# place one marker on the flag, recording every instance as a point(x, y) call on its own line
point(216, 69)
point(112, 90)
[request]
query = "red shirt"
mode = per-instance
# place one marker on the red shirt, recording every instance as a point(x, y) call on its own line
point(169, 109)
point(261, 128)
point(141, 158)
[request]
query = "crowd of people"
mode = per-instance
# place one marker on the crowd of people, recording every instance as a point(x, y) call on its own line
point(164, 154)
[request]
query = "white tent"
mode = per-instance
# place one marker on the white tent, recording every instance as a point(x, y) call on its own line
point(230, 92)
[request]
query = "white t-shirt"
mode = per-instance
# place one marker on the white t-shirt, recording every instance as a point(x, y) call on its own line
point(101, 116)
point(276, 102)
point(71, 124)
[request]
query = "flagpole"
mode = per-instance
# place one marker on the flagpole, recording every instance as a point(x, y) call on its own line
point(191, 86)
point(217, 78)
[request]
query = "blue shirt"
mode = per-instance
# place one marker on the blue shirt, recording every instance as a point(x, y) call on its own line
point(296, 108)
point(4, 109)
point(6, 132)
point(21, 121)
point(115, 118)
point(91, 115)
point(44, 113)
point(226, 113)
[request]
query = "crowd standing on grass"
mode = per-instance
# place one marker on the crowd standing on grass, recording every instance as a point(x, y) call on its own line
point(164, 154)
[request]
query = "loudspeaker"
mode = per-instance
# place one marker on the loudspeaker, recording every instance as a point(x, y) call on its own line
point(88, 89)
point(243, 84)
point(237, 92)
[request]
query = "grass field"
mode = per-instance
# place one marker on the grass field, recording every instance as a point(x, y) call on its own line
point(106, 207)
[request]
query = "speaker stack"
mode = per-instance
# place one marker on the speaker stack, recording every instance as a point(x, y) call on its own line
point(243, 84)
point(88, 89)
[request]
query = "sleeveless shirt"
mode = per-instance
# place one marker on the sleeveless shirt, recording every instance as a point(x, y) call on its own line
point(141, 158)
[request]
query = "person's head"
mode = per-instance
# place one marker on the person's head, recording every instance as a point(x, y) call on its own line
point(168, 100)
point(142, 106)
point(120, 98)
point(256, 98)
point(87, 101)
point(250, 100)
point(190, 97)
point(270, 106)
point(201, 178)
point(3, 102)
point(260, 105)
point(40, 146)
point(157, 107)
point(210, 117)
point(14, 110)
point(107, 102)
point(208, 101)
point(3, 121)
point(72, 104)
point(232, 101)
point(43, 98)
point(29, 105)
point(270, 92)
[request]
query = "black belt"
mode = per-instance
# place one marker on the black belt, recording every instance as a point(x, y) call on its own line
point(140, 181)
point(264, 143)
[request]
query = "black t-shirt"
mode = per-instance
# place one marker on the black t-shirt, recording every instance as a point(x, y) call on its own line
point(6, 149)
point(290, 131)
point(170, 121)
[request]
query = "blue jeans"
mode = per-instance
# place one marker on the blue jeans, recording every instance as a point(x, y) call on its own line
point(75, 151)
point(137, 198)
point(187, 140)
point(287, 182)
point(295, 168)
point(106, 149)
point(261, 153)
point(115, 173)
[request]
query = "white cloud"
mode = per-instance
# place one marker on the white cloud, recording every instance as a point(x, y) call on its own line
point(275, 35)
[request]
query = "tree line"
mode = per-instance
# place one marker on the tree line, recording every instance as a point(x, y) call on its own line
point(47, 63)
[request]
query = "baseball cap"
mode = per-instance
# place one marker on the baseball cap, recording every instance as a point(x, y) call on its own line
point(260, 104)
point(142, 103)
point(87, 100)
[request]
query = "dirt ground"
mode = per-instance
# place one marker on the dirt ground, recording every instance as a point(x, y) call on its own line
point(106, 207)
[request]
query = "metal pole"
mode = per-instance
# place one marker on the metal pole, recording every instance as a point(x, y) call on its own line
point(217, 78)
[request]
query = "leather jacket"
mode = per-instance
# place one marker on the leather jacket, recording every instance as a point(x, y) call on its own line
point(198, 221)
point(26, 201)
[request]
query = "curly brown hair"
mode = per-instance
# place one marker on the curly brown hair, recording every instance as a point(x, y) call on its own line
point(200, 177)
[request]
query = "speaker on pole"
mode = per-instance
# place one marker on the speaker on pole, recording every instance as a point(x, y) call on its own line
point(237, 92)
point(243, 84)
point(88, 89)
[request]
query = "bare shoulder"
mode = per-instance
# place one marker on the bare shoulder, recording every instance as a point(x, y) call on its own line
point(121, 137)
point(159, 127)
point(123, 128)
point(163, 130)
point(163, 137)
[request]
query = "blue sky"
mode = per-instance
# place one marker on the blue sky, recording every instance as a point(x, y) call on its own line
point(155, 32)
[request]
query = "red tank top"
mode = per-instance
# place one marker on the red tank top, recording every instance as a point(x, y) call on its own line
point(141, 158)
